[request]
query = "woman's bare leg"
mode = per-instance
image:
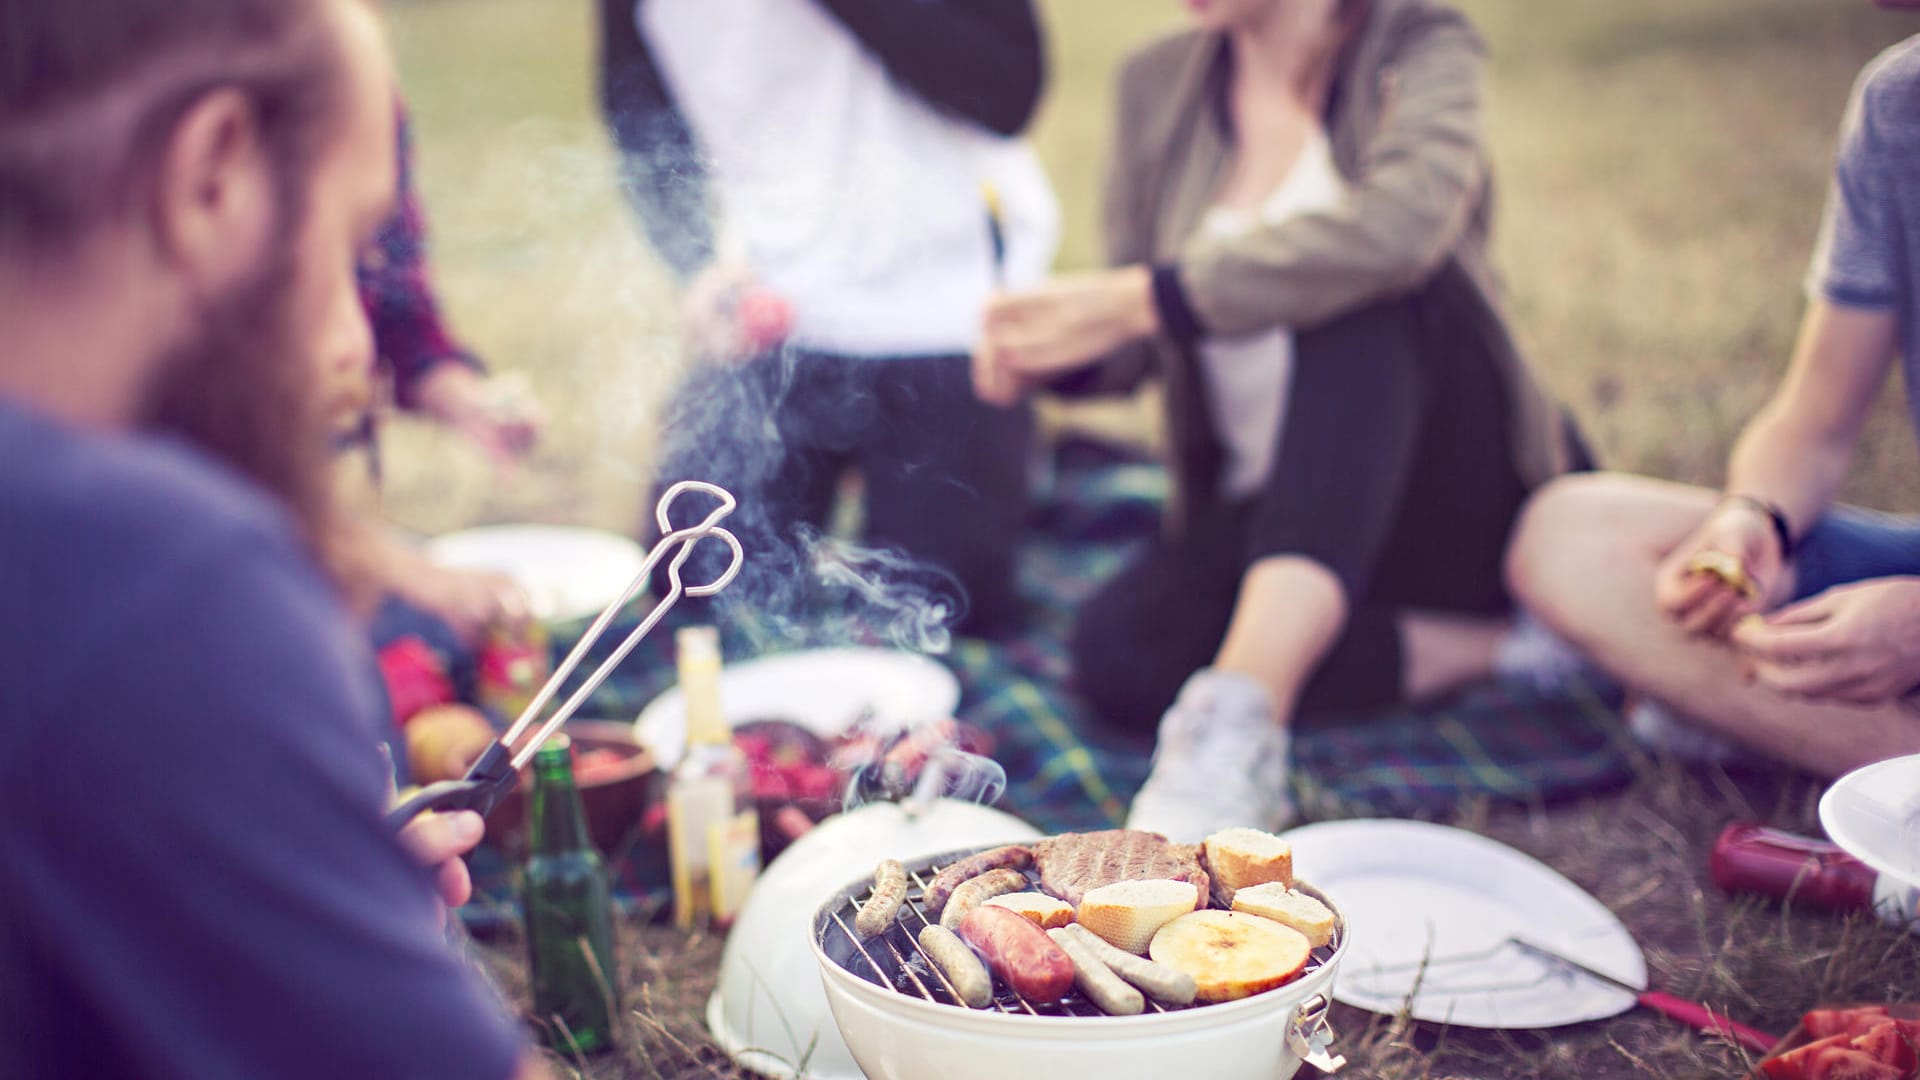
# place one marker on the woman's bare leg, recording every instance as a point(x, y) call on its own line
point(1290, 612)
point(1583, 560)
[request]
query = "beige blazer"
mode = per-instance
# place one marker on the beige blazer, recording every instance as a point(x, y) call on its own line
point(1406, 133)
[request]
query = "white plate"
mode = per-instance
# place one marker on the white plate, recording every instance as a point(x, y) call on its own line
point(823, 690)
point(1413, 891)
point(568, 573)
point(1874, 813)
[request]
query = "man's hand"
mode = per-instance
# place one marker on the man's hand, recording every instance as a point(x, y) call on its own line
point(471, 602)
point(499, 414)
point(1857, 643)
point(438, 840)
point(1706, 603)
point(1033, 337)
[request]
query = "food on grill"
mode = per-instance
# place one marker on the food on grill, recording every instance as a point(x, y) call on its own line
point(1011, 857)
point(889, 889)
point(1159, 981)
point(1127, 913)
point(1096, 980)
point(1020, 953)
point(1231, 954)
point(1044, 911)
point(1288, 907)
point(963, 969)
point(1728, 568)
point(1239, 858)
point(1072, 864)
point(976, 891)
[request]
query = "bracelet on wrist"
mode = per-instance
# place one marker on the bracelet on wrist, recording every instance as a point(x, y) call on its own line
point(1782, 531)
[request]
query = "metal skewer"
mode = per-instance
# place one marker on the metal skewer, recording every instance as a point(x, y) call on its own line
point(496, 771)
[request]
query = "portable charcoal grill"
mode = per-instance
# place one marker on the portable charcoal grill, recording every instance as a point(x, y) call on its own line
point(886, 990)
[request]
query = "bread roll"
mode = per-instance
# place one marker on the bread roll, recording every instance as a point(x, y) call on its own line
point(1238, 858)
point(1045, 912)
point(1288, 907)
point(1126, 913)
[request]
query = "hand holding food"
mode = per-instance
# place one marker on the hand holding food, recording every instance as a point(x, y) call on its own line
point(1856, 643)
point(1726, 570)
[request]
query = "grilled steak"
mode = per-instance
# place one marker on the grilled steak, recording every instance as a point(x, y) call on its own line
point(1072, 863)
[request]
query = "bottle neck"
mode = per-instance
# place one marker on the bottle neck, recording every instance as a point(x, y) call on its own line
point(559, 821)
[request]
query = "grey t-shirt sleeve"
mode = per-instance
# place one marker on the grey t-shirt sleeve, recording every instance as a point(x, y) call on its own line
point(211, 866)
point(1857, 260)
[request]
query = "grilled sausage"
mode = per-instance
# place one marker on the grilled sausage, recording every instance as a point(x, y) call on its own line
point(889, 889)
point(1096, 980)
point(940, 890)
point(977, 891)
point(1162, 983)
point(1020, 953)
point(963, 969)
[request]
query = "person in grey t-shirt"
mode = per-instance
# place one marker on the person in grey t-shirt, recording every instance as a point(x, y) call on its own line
point(1766, 619)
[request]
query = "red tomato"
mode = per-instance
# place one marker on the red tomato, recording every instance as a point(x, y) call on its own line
point(1843, 1064)
point(1822, 1023)
point(1886, 1042)
point(1794, 1064)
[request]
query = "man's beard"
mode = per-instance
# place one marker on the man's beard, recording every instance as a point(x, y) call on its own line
point(242, 392)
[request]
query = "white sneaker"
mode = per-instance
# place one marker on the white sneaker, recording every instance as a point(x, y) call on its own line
point(1535, 655)
point(1660, 729)
point(1221, 761)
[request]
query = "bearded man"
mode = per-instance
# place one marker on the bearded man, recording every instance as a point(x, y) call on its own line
point(194, 878)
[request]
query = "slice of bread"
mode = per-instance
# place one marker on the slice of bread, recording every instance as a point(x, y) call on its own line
point(1046, 912)
point(1239, 858)
point(1288, 907)
point(1127, 913)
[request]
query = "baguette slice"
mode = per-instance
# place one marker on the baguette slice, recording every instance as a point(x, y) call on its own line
point(1046, 912)
point(1127, 913)
point(1288, 907)
point(1239, 858)
point(1231, 954)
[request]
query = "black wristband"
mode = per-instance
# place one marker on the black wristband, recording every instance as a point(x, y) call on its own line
point(1170, 302)
point(1782, 531)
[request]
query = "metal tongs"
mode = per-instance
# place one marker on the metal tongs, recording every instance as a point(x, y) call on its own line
point(496, 771)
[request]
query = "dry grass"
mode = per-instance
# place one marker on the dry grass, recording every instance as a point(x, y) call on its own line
point(1661, 167)
point(1642, 852)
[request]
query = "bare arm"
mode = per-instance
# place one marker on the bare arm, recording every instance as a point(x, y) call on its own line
point(1796, 452)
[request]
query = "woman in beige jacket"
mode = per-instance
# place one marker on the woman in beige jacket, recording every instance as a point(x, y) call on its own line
point(1297, 213)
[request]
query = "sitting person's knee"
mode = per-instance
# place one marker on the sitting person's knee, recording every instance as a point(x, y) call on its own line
point(1573, 522)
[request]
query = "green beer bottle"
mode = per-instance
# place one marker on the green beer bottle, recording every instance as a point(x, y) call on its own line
point(569, 909)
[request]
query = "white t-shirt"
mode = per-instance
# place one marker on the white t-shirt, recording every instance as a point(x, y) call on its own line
point(1248, 376)
point(859, 202)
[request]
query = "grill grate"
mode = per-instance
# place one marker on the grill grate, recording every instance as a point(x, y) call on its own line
point(895, 959)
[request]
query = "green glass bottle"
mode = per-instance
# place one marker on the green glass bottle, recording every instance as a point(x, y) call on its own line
point(569, 914)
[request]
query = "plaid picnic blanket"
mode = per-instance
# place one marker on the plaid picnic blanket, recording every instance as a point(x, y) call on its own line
point(1065, 772)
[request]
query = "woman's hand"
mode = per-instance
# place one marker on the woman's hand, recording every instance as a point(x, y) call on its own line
point(1857, 643)
point(500, 414)
point(730, 317)
point(438, 841)
point(1033, 337)
point(1707, 603)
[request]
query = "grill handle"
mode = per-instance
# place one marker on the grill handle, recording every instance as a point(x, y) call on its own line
point(1310, 1036)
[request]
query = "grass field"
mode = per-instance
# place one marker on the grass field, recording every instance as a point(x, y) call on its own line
point(1661, 167)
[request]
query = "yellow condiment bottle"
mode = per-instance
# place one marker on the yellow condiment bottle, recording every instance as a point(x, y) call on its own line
point(713, 830)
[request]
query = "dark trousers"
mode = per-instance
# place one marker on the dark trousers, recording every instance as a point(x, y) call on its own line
point(945, 478)
point(1394, 470)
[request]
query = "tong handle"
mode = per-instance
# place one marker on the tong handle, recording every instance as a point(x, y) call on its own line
point(486, 783)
